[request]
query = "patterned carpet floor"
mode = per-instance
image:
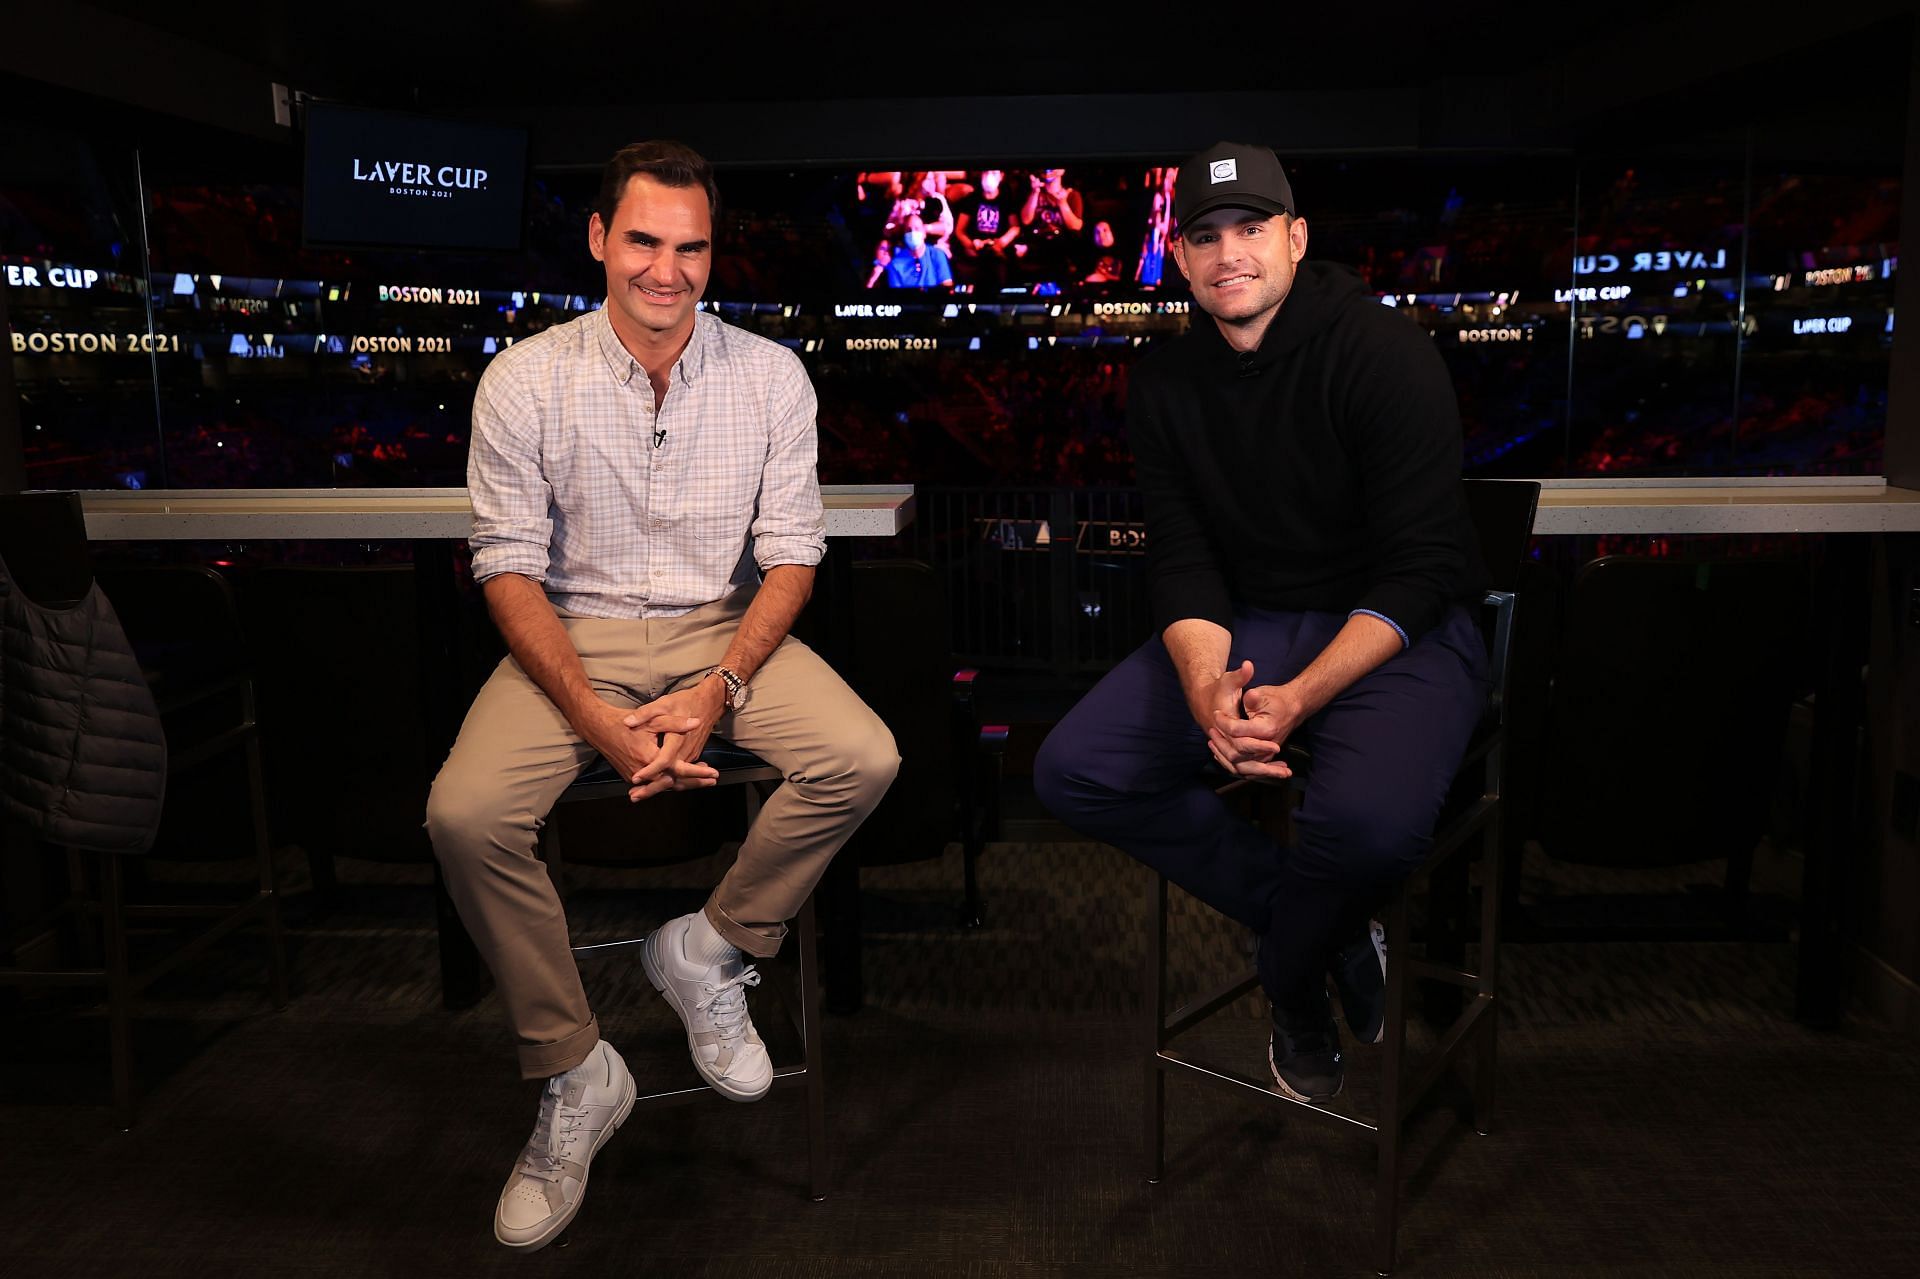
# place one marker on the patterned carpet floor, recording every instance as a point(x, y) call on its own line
point(1659, 1113)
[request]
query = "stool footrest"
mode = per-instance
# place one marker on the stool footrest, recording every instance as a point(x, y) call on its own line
point(1443, 972)
point(1191, 1014)
point(783, 1077)
point(1173, 1062)
point(1458, 830)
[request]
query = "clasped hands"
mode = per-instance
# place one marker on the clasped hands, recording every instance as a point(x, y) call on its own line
point(1246, 727)
point(657, 746)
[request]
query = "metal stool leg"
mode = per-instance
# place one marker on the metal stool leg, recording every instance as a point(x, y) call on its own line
point(1484, 1068)
point(970, 909)
point(1386, 1194)
point(1155, 1114)
point(269, 886)
point(113, 926)
point(809, 1004)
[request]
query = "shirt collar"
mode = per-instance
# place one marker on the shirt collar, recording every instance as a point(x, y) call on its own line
point(620, 361)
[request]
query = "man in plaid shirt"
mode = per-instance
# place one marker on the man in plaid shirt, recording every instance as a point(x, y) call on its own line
point(647, 522)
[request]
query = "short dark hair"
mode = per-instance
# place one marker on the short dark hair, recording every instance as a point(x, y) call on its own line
point(671, 164)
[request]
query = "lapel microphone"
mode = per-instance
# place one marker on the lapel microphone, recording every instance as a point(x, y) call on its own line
point(660, 437)
point(1247, 367)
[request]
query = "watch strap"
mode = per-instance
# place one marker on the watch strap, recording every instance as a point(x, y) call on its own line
point(736, 687)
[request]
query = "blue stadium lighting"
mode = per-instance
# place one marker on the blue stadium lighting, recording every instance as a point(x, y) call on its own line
point(182, 284)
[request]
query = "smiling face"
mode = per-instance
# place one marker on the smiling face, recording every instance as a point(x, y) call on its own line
point(657, 253)
point(1241, 264)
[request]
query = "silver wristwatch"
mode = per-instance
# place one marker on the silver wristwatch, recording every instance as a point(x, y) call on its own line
point(736, 687)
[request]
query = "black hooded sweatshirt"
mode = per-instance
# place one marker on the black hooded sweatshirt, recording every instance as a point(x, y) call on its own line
point(1319, 472)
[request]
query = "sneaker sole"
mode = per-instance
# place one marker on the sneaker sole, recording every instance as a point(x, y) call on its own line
point(659, 981)
point(559, 1224)
point(1289, 1090)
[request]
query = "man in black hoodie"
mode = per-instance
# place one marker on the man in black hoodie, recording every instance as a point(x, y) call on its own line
point(1311, 565)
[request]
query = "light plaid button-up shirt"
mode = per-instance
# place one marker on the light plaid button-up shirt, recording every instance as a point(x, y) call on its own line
point(570, 489)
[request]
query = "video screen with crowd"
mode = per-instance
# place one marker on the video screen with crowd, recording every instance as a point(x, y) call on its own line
point(1038, 231)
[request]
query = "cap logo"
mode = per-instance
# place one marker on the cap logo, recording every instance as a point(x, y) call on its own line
point(1224, 171)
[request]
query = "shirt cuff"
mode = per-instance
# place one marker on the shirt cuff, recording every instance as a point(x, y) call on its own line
point(527, 561)
point(772, 552)
point(1358, 612)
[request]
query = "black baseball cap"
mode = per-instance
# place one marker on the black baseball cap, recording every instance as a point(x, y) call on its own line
point(1237, 175)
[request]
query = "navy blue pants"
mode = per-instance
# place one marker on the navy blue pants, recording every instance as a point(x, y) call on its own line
point(1127, 766)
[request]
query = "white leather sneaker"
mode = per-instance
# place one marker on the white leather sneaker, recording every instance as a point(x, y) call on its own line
point(712, 1003)
point(578, 1112)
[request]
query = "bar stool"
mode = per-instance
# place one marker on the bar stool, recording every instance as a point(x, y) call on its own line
point(1503, 514)
point(1399, 1096)
point(736, 767)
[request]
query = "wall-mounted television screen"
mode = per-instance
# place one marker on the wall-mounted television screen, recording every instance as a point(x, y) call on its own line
point(1049, 232)
point(380, 179)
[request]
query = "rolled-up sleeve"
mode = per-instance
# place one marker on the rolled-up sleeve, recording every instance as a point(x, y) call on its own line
point(512, 500)
point(791, 524)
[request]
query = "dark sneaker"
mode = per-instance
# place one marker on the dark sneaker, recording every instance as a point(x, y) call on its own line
point(1359, 972)
point(1304, 1055)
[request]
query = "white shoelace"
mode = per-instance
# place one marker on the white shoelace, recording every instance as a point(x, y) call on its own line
point(726, 1004)
point(552, 1134)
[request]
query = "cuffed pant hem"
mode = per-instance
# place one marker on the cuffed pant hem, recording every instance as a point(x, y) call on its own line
point(761, 945)
point(542, 1061)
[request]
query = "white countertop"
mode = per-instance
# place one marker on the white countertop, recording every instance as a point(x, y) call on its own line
point(186, 515)
point(1771, 505)
point(1567, 507)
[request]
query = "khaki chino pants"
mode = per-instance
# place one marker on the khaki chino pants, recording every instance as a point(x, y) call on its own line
point(516, 753)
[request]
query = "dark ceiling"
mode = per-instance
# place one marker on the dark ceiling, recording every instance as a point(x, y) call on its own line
point(1819, 78)
point(472, 55)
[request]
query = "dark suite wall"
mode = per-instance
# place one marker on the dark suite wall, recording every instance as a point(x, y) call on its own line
point(1010, 128)
point(1890, 893)
point(88, 50)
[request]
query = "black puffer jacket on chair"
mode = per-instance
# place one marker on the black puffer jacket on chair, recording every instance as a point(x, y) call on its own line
point(83, 759)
